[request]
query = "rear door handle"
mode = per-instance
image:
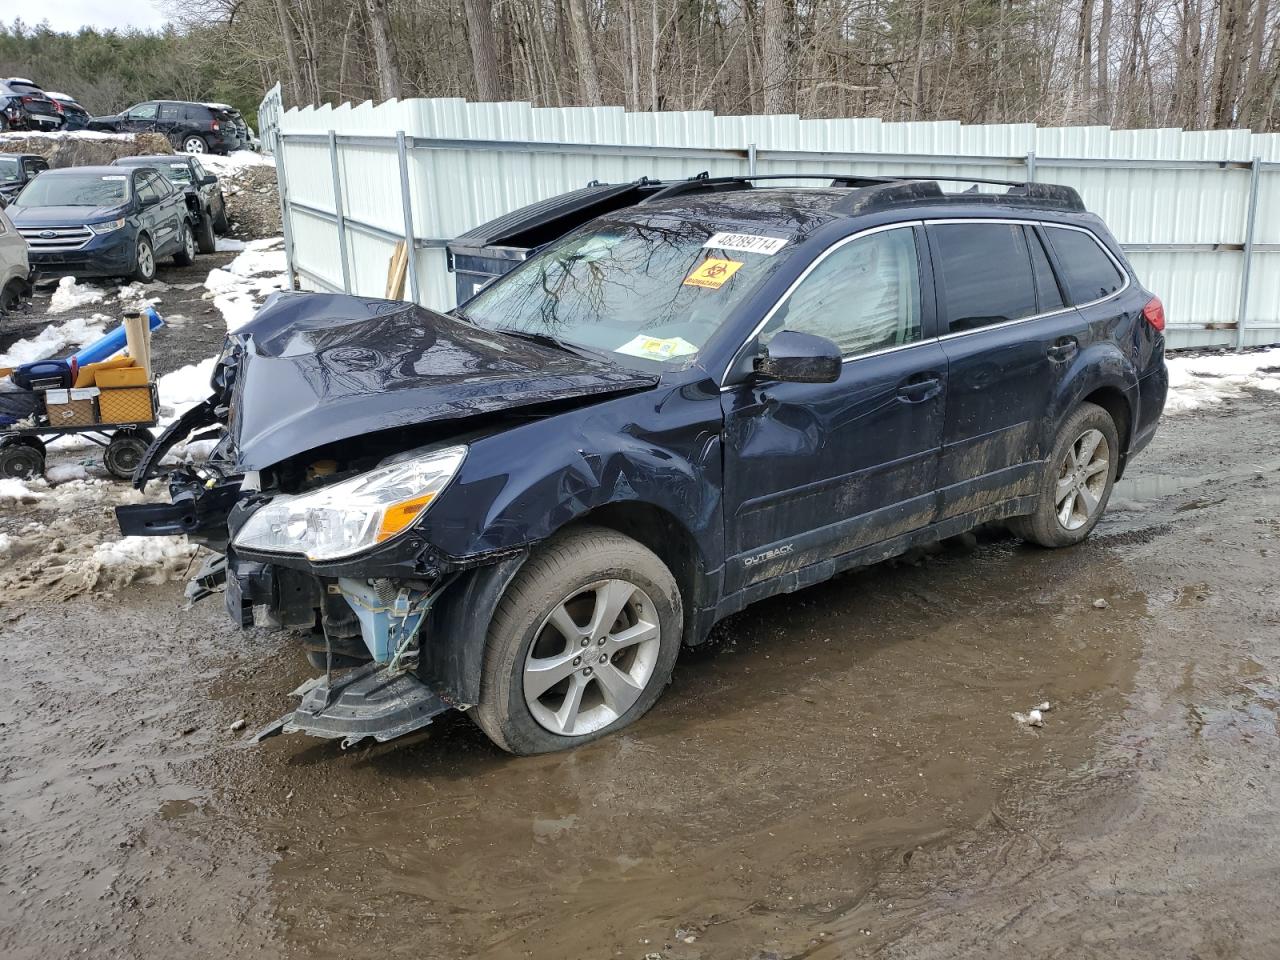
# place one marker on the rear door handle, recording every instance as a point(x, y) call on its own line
point(916, 390)
point(1064, 348)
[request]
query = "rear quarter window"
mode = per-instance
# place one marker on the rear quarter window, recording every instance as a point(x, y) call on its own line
point(1087, 271)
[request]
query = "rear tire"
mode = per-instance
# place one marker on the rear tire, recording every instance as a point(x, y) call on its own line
point(206, 242)
point(194, 144)
point(186, 254)
point(550, 624)
point(221, 224)
point(125, 451)
point(1077, 481)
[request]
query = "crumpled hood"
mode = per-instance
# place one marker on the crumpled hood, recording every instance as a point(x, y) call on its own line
point(311, 369)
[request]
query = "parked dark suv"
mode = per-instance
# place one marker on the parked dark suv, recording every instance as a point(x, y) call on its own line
point(686, 405)
point(190, 127)
point(16, 171)
point(204, 196)
point(103, 222)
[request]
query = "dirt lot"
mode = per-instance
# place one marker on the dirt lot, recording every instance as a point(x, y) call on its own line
point(838, 777)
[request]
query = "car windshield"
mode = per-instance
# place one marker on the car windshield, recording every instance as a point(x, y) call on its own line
point(10, 171)
point(178, 173)
point(655, 289)
point(75, 190)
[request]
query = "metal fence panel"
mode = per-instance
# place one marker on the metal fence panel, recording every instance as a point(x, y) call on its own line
point(1179, 201)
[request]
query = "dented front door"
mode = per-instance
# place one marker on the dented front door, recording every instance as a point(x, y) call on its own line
point(817, 470)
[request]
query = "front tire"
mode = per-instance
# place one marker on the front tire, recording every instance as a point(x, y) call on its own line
point(206, 242)
point(582, 643)
point(144, 261)
point(1077, 481)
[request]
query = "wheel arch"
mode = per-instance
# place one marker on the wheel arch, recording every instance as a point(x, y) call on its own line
point(1120, 408)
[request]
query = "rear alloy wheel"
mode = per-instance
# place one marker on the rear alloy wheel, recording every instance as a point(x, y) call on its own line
point(582, 643)
point(21, 458)
point(186, 254)
point(144, 261)
point(194, 144)
point(1076, 486)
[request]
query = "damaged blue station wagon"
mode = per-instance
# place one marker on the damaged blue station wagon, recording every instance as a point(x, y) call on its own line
point(704, 395)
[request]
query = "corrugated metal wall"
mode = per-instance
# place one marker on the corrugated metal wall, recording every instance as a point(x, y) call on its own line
point(1178, 200)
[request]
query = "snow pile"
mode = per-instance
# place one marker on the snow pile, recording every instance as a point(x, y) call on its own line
point(6, 544)
point(186, 386)
point(239, 289)
point(14, 491)
point(133, 296)
point(71, 295)
point(1203, 381)
point(53, 339)
point(235, 163)
point(227, 245)
point(117, 563)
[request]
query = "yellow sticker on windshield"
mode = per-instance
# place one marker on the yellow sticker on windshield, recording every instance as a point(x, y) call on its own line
point(712, 273)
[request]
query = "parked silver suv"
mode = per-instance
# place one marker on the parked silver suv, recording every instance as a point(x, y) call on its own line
point(15, 270)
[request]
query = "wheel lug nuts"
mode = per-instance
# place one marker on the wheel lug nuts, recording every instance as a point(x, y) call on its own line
point(601, 641)
point(586, 671)
point(586, 641)
point(576, 661)
point(604, 658)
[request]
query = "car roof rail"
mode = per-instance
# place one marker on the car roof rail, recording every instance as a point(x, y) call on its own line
point(887, 190)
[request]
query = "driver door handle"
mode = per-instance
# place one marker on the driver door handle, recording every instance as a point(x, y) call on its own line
point(1064, 348)
point(919, 388)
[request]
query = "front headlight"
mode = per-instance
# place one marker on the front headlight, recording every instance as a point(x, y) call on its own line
point(108, 226)
point(345, 518)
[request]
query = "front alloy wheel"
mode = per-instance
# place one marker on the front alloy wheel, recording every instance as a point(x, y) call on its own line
point(582, 643)
point(592, 658)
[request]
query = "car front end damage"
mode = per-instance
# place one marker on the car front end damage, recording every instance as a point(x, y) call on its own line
point(339, 424)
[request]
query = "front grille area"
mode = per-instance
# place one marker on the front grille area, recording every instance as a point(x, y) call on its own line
point(55, 239)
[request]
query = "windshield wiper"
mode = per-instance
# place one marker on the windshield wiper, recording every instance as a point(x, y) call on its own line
point(550, 340)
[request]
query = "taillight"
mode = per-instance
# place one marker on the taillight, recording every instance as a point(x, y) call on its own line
point(213, 124)
point(1153, 313)
point(56, 105)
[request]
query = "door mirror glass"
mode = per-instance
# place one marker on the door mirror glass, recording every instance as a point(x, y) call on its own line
point(793, 357)
point(208, 180)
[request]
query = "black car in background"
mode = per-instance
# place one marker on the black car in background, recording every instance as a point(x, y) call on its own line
point(24, 106)
point(16, 171)
point(103, 222)
point(190, 127)
point(76, 116)
point(203, 194)
point(236, 118)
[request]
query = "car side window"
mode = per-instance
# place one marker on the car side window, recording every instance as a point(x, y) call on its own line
point(985, 273)
point(1087, 270)
point(143, 111)
point(145, 190)
point(169, 111)
point(161, 186)
point(1046, 283)
point(863, 296)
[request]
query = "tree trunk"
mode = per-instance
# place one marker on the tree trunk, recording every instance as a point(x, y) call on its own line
point(1104, 63)
point(777, 56)
point(290, 51)
point(384, 59)
point(1084, 59)
point(484, 50)
point(588, 77)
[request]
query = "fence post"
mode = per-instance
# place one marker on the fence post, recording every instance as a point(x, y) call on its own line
point(406, 202)
point(1255, 167)
point(282, 185)
point(339, 210)
point(751, 159)
point(1031, 166)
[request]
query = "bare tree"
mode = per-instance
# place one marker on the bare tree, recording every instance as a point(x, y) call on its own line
point(484, 50)
point(384, 57)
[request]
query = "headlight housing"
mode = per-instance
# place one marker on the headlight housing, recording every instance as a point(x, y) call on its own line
point(346, 518)
point(107, 227)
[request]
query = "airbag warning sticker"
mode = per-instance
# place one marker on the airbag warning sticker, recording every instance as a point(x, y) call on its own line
point(746, 243)
point(712, 273)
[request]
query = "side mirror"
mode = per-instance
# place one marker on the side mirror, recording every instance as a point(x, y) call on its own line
point(144, 202)
point(794, 357)
point(208, 180)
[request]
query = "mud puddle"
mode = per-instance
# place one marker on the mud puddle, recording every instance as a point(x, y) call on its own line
point(838, 776)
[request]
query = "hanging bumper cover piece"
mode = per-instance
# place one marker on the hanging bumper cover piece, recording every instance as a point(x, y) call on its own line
point(370, 701)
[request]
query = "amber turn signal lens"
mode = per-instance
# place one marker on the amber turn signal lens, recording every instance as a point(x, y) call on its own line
point(400, 515)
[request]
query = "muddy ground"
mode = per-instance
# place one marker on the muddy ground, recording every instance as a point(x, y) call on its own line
point(839, 776)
